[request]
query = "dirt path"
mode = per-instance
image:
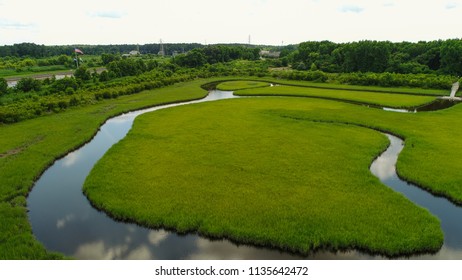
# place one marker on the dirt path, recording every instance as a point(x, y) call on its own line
point(42, 76)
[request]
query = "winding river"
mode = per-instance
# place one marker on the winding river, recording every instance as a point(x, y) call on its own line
point(64, 221)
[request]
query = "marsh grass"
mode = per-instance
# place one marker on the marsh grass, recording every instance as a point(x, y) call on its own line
point(429, 158)
point(243, 170)
point(238, 85)
point(431, 149)
point(29, 147)
point(372, 98)
point(398, 90)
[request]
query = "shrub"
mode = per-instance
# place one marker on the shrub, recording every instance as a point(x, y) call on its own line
point(28, 84)
point(3, 86)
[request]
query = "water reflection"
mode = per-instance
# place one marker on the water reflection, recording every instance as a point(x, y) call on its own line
point(399, 110)
point(384, 166)
point(14, 81)
point(63, 220)
point(448, 213)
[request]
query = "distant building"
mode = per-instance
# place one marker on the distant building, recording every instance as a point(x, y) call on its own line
point(132, 53)
point(269, 54)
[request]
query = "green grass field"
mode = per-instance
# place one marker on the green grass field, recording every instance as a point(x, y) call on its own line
point(11, 73)
point(236, 85)
point(430, 156)
point(402, 90)
point(34, 144)
point(256, 177)
point(372, 98)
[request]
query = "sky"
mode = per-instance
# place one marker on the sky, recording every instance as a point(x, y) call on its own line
point(270, 22)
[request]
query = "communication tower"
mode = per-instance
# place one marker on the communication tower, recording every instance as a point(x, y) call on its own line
point(162, 50)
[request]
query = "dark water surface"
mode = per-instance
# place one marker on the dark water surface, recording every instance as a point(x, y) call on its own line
point(449, 214)
point(64, 221)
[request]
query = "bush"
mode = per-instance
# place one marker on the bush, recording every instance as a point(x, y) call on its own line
point(62, 85)
point(73, 102)
point(3, 86)
point(104, 76)
point(397, 80)
point(82, 73)
point(28, 84)
point(70, 91)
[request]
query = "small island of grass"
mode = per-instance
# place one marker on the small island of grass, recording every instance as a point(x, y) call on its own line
point(243, 170)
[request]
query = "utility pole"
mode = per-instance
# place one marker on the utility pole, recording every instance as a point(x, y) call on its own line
point(162, 51)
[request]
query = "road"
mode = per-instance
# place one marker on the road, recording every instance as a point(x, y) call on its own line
point(12, 81)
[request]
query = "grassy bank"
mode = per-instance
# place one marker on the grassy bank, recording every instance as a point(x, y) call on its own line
point(256, 176)
point(372, 98)
point(431, 152)
point(237, 85)
point(32, 145)
point(319, 85)
point(32, 71)
point(404, 90)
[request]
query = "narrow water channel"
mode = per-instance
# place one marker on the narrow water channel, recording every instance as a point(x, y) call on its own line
point(64, 221)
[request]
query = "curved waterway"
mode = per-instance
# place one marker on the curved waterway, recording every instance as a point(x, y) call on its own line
point(64, 221)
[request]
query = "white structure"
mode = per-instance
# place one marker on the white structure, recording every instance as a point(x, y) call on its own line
point(133, 53)
point(454, 89)
point(452, 96)
point(269, 54)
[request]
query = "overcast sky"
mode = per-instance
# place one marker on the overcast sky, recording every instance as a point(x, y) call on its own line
point(65, 22)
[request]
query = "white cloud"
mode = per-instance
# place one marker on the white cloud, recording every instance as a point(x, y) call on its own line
point(225, 21)
point(140, 253)
point(452, 5)
point(388, 4)
point(156, 237)
point(108, 14)
point(351, 9)
point(13, 24)
point(71, 159)
point(60, 223)
point(100, 251)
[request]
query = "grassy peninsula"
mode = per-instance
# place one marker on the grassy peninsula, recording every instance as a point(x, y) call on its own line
point(260, 171)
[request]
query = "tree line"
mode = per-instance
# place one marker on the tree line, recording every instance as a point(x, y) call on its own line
point(41, 51)
point(434, 57)
point(216, 54)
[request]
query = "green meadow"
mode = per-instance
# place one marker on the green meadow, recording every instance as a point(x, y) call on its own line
point(285, 172)
point(372, 98)
point(31, 146)
point(431, 150)
point(236, 85)
point(402, 90)
point(289, 172)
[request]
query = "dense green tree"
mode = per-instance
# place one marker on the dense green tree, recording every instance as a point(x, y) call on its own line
point(194, 58)
point(61, 85)
point(64, 60)
point(3, 86)
point(405, 57)
point(109, 57)
point(216, 54)
point(451, 57)
point(82, 73)
point(366, 56)
point(127, 67)
point(28, 84)
point(104, 76)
